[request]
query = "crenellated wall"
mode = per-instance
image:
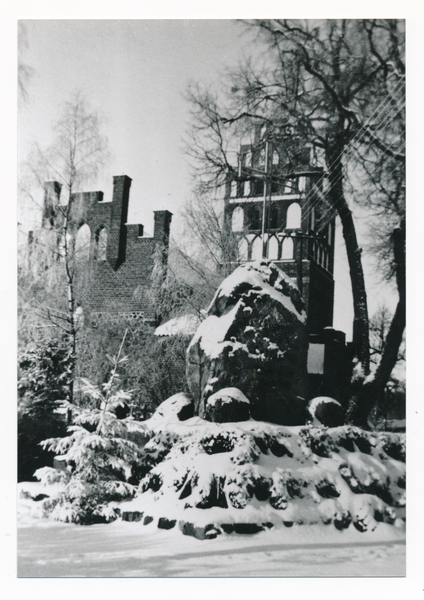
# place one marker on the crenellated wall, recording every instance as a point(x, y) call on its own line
point(118, 258)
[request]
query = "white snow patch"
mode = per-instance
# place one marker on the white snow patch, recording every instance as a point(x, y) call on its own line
point(253, 274)
point(185, 325)
point(226, 395)
point(213, 330)
point(321, 400)
point(168, 411)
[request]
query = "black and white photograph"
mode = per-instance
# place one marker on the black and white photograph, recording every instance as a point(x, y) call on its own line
point(211, 298)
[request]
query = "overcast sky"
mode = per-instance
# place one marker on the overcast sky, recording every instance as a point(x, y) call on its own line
point(135, 73)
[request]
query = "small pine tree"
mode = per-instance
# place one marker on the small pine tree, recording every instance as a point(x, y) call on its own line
point(98, 452)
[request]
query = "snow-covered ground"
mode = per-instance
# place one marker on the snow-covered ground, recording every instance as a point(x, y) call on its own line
point(122, 549)
point(343, 518)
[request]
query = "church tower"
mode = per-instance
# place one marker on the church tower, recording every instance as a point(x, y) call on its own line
point(275, 204)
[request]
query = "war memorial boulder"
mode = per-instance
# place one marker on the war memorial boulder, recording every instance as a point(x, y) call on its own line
point(254, 339)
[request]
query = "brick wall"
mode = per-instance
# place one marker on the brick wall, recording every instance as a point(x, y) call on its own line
point(119, 282)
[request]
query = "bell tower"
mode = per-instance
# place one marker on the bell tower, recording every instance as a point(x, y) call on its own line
point(275, 204)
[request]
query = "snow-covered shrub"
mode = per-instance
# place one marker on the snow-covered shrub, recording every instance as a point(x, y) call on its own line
point(99, 455)
point(327, 489)
point(318, 440)
point(44, 381)
point(351, 436)
point(342, 519)
point(221, 442)
point(326, 411)
point(393, 445)
point(48, 476)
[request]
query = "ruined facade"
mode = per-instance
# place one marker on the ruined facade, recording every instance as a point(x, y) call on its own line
point(116, 257)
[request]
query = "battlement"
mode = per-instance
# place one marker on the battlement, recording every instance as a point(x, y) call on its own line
point(118, 256)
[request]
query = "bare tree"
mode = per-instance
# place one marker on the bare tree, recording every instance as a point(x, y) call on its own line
point(74, 158)
point(25, 71)
point(204, 253)
point(339, 86)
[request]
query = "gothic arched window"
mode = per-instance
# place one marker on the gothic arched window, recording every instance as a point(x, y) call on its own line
point(287, 249)
point(294, 216)
point(237, 219)
point(233, 188)
point(273, 248)
point(273, 217)
point(243, 249)
point(254, 218)
point(257, 248)
point(82, 243)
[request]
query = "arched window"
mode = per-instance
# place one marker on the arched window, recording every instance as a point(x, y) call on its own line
point(248, 159)
point(82, 243)
point(243, 249)
point(257, 249)
point(254, 218)
point(312, 218)
point(326, 260)
point(237, 219)
point(101, 244)
point(273, 217)
point(287, 249)
point(275, 158)
point(289, 187)
point(315, 250)
point(262, 157)
point(246, 188)
point(301, 184)
point(234, 188)
point(294, 216)
point(273, 248)
point(259, 187)
point(330, 233)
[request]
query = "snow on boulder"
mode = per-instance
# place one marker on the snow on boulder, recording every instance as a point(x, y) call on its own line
point(326, 411)
point(178, 407)
point(254, 339)
point(227, 406)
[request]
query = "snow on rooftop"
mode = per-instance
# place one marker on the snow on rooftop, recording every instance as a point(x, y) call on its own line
point(184, 325)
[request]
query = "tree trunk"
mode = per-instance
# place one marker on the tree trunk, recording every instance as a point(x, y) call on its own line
point(360, 339)
point(373, 390)
point(72, 332)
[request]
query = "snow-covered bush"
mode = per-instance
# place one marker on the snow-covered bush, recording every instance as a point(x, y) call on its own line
point(233, 476)
point(44, 381)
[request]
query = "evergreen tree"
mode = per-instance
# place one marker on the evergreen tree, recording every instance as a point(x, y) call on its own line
point(98, 452)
